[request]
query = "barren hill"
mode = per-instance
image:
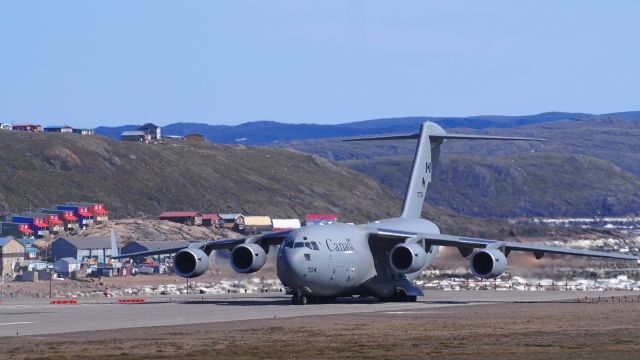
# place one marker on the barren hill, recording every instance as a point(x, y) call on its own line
point(589, 166)
point(142, 180)
point(137, 180)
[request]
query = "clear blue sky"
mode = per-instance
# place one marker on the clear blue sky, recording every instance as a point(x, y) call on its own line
point(90, 63)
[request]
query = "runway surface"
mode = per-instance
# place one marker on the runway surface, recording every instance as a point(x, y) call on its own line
point(37, 316)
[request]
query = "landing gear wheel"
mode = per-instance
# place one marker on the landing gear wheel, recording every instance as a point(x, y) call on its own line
point(295, 299)
point(303, 300)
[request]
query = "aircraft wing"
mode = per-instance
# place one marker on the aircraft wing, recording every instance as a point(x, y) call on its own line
point(265, 239)
point(463, 242)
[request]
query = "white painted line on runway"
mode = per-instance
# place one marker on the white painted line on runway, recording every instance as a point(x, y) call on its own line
point(18, 323)
point(404, 312)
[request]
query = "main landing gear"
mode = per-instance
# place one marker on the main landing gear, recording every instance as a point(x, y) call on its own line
point(399, 296)
point(303, 299)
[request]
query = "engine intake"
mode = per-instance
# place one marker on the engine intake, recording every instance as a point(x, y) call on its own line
point(407, 258)
point(248, 258)
point(487, 263)
point(190, 263)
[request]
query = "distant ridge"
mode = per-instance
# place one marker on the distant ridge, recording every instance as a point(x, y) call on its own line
point(270, 132)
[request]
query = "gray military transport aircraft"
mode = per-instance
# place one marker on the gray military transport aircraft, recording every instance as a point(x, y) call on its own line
point(322, 262)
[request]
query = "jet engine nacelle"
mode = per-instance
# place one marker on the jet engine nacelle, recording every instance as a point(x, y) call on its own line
point(407, 258)
point(487, 263)
point(248, 258)
point(190, 263)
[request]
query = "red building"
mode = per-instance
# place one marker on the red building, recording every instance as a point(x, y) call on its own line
point(100, 214)
point(317, 219)
point(54, 222)
point(182, 217)
point(211, 220)
point(25, 229)
point(27, 127)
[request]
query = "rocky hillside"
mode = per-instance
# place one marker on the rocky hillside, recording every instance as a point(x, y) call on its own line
point(588, 167)
point(128, 230)
point(142, 180)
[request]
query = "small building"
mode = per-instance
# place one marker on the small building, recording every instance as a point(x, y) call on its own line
point(232, 221)
point(18, 231)
point(11, 256)
point(59, 129)
point(195, 137)
point(85, 218)
point(6, 126)
point(97, 210)
point(35, 222)
point(137, 136)
point(69, 220)
point(66, 266)
point(257, 224)
point(27, 127)
point(84, 249)
point(210, 220)
point(143, 245)
point(32, 265)
point(84, 131)
point(182, 217)
point(174, 137)
point(31, 253)
point(320, 219)
point(285, 224)
point(152, 130)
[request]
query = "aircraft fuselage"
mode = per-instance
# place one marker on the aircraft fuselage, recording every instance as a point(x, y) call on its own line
point(340, 260)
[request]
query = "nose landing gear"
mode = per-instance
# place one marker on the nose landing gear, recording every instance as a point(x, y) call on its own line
point(299, 299)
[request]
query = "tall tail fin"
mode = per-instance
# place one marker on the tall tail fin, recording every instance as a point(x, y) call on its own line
point(430, 140)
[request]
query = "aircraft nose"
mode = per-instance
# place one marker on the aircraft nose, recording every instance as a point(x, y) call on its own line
point(292, 265)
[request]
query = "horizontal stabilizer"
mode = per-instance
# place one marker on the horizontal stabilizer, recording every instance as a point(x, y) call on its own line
point(437, 137)
point(480, 137)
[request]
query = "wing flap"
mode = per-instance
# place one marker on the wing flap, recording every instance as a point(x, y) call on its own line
point(539, 248)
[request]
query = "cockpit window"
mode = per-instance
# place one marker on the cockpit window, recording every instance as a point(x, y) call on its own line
point(315, 245)
point(308, 245)
point(298, 245)
point(289, 243)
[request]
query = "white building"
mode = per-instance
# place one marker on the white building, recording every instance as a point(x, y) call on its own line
point(66, 265)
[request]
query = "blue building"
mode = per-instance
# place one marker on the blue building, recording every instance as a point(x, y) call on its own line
point(35, 222)
point(93, 248)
